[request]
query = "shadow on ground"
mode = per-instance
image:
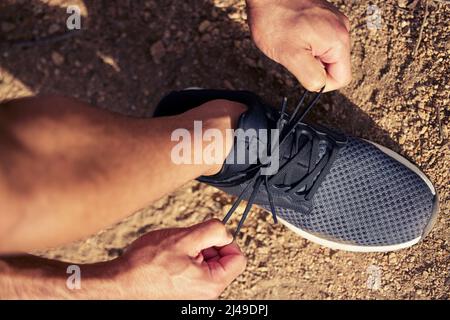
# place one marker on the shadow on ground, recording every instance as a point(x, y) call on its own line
point(124, 60)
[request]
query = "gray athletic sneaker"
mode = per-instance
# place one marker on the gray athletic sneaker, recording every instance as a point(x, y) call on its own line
point(341, 192)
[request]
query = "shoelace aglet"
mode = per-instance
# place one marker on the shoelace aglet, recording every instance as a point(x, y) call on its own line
point(271, 203)
point(283, 115)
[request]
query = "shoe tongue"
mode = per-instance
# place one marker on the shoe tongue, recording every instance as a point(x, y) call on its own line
point(253, 124)
point(300, 169)
point(256, 123)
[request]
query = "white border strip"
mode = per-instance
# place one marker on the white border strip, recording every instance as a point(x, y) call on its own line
point(348, 247)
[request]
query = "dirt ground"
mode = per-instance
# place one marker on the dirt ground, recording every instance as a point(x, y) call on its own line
point(128, 53)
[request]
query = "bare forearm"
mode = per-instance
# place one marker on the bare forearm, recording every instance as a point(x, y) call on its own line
point(30, 277)
point(163, 264)
point(68, 170)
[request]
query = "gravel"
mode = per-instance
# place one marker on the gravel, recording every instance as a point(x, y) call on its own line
point(396, 99)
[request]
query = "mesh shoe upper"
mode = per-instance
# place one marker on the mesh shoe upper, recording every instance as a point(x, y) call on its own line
point(367, 199)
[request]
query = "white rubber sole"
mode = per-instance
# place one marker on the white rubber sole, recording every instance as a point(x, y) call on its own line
point(336, 245)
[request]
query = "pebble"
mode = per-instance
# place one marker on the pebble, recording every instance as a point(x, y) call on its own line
point(206, 38)
point(204, 26)
point(7, 26)
point(157, 51)
point(403, 3)
point(57, 58)
point(227, 84)
point(53, 28)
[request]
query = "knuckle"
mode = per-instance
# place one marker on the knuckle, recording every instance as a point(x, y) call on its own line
point(177, 246)
point(343, 35)
point(314, 85)
point(180, 241)
point(215, 225)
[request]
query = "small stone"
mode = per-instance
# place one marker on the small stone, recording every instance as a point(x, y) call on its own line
point(403, 3)
point(204, 26)
point(289, 83)
point(157, 51)
point(410, 4)
point(447, 282)
point(423, 130)
point(250, 62)
point(53, 28)
point(234, 15)
point(393, 258)
point(7, 27)
point(57, 58)
point(228, 85)
point(405, 30)
point(206, 38)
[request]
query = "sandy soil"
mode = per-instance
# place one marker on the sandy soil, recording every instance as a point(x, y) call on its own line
point(130, 52)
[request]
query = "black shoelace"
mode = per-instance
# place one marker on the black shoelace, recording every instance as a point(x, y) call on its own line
point(308, 185)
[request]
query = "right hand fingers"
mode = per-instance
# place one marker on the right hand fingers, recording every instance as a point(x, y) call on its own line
point(211, 233)
point(330, 68)
point(308, 70)
point(338, 68)
point(229, 263)
point(223, 260)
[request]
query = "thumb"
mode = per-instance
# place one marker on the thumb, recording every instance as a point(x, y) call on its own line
point(229, 264)
point(211, 233)
point(307, 69)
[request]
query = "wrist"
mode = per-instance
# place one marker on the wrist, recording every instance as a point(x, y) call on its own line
point(31, 277)
point(103, 280)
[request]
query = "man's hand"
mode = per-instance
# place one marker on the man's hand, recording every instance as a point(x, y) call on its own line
point(198, 262)
point(309, 37)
